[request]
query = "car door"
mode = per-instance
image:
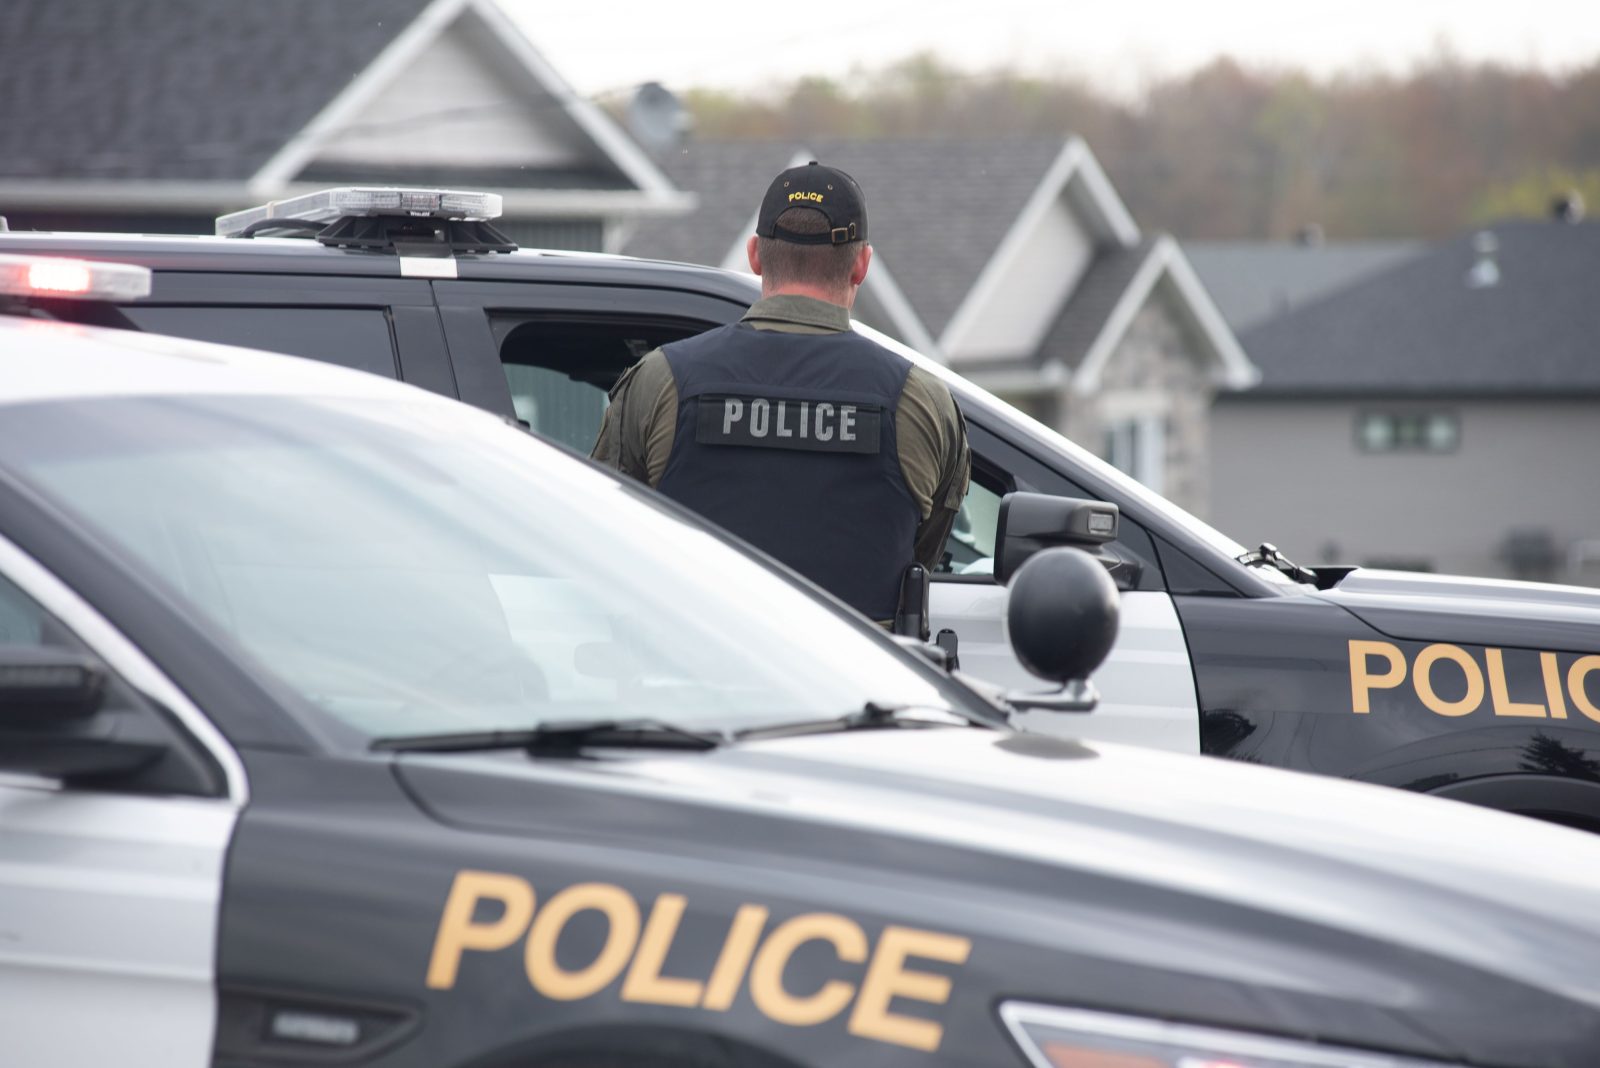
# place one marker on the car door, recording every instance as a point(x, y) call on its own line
point(1146, 685)
point(110, 894)
point(547, 352)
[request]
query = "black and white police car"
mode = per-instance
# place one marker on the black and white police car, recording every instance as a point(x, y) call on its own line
point(344, 725)
point(1483, 691)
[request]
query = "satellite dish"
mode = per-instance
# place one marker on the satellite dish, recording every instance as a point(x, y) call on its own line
point(657, 119)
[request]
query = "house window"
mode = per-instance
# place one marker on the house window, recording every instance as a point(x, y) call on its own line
point(1408, 431)
point(1138, 447)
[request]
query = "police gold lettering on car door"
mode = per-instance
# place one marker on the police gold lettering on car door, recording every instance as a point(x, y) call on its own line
point(905, 967)
point(1455, 681)
point(814, 425)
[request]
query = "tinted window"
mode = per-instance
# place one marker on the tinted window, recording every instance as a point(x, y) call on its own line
point(22, 621)
point(559, 407)
point(349, 337)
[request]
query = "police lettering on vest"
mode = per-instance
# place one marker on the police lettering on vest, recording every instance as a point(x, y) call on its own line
point(812, 424)
point(788, 441)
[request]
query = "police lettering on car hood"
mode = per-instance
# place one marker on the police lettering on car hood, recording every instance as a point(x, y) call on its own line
point(1505, 649)
point(1001, 865)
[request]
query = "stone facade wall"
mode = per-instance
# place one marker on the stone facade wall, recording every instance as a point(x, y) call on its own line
point(1155, 367)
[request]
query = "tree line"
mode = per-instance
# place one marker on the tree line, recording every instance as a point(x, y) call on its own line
point(1235, 152)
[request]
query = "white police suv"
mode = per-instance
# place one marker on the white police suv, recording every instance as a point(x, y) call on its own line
point(1483, 691)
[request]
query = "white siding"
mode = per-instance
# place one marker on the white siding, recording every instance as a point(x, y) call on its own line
point(1032, 288)
point(461, 103)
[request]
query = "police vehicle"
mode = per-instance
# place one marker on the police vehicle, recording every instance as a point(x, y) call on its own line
point(344, 725)
point(1478, 690)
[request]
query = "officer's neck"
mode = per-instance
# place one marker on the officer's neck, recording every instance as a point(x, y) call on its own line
point(828, 296)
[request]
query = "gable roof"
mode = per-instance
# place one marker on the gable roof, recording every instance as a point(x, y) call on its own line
point(1419, 328)
point(941, 208)
point(1251, 281)
point(1087, 314)
point(987, 196)
point(1094, 320)
point(245, 95)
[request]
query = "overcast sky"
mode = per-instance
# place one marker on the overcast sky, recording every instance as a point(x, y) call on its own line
point(601, 45)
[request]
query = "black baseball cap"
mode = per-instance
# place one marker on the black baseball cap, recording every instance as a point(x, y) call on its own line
point(826, 190)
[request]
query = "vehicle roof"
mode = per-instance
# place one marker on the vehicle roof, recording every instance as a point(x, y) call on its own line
point(48, 361)
point(287, 255)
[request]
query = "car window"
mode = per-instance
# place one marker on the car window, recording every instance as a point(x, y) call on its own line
point(350, 337)
point(22, 621)
point(560, 372)
point(969, 550)
point(556, 406)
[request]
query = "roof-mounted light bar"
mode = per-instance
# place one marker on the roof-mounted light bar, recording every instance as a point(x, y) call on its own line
point(363, 202)
point(53, 276)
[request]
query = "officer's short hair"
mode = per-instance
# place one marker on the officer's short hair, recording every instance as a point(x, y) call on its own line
point(823, 266)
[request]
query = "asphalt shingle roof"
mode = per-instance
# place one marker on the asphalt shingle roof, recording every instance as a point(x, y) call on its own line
point(1251, 281)
point(193, 90)
point(1419, 328)
point(936, 209)
point(1083, 318)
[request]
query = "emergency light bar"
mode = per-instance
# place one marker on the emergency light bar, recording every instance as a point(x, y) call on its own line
point(53, 276)
point(363, 202)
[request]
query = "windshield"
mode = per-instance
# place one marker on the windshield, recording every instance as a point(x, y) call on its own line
point(415, 568)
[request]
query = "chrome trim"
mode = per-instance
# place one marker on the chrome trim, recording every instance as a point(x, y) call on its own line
point(124, 657)
point(1188, 1038)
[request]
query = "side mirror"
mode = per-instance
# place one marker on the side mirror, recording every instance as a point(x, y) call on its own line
point(40, 685)
point(1030, 522)
point(1062, 620)
point(50, 719)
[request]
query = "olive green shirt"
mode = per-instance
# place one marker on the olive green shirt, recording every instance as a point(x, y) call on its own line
point(637, 431)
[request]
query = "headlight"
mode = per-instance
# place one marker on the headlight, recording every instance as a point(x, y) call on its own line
point(1074, 1038)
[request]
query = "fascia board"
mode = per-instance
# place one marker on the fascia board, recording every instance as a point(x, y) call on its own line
point(1238, 371)
point(1075, 163)
point(628, 156)
point(1087, 378)
point(300, 149)
point(1167, 259)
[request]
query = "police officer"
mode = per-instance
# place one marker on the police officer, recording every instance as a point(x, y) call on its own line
point(840, 458)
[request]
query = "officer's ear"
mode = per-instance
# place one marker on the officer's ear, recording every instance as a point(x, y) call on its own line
point(858, 270)
point(752, 249)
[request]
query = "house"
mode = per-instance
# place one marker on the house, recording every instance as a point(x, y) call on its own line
point(1016, 262)
point(1440, 414)
point(161, 114)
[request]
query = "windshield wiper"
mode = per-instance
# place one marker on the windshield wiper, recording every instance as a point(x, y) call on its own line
point(1268, 555)
point(870, 716)
point(560, 738)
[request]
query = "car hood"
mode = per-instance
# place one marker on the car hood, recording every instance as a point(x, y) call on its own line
point(1495, 893)
point(1410, 606)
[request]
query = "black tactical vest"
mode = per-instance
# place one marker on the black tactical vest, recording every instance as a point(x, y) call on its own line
point(788, 440)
